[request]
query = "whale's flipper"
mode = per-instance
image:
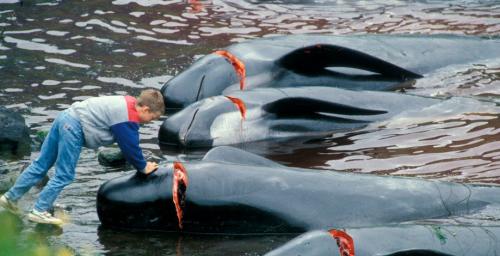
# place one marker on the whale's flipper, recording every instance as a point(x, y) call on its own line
point(315, 59)
point(301, 106)
point(226, 154)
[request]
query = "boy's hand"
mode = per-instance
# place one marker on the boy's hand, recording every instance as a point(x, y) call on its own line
point(150, 167)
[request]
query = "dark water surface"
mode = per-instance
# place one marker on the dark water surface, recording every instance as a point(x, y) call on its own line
point(53, 53)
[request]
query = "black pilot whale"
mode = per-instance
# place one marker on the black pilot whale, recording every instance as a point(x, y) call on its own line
point(271, 113)
point(396, 240)
point(233, 191)
point(369, 62)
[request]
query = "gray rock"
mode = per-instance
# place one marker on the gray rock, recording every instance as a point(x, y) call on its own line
point(14, 134)
point(111, 157)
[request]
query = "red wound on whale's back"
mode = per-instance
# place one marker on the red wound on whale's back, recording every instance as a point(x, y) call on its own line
point(240, 105)
point(344, 241)
point(179, 186)
point(238, 66)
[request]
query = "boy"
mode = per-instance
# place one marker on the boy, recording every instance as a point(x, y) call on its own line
point(94, 122)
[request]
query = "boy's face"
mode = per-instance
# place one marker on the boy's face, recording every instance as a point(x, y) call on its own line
point(146, 115)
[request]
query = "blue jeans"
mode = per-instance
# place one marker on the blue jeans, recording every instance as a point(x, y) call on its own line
point(62, 147)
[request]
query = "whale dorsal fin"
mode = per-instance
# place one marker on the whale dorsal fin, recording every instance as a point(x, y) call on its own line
point(418, 252)
point(315, 59)
point(226, 154)
point(300, 106)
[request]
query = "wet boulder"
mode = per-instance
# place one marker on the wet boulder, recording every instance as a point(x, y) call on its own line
point(14, 134)
point(111, 157)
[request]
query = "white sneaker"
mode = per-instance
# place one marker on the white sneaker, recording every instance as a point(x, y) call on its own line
point(44, 218)
point(9, 205)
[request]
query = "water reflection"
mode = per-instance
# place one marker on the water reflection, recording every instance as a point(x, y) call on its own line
point(154, 243)
point(481, 80)
point(454, 149)
point(461, 148)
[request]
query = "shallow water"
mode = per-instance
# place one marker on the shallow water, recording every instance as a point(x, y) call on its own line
point(53, 53)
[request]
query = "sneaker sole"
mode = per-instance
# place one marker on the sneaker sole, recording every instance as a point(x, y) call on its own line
point(37, 219)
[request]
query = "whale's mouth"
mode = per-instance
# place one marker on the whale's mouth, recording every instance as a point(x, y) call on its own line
point(344, 241)
point(179, 186)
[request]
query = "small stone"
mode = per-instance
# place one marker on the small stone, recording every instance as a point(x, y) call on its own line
point(111, 157)
point(8, 174)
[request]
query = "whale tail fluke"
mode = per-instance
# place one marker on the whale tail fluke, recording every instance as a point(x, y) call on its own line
point(227, 154)
point(312, 60)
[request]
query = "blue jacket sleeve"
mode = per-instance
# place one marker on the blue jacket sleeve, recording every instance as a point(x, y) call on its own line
point(127, 136)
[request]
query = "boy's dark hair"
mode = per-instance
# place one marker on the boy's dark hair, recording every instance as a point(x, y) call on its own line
point(153, 99)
